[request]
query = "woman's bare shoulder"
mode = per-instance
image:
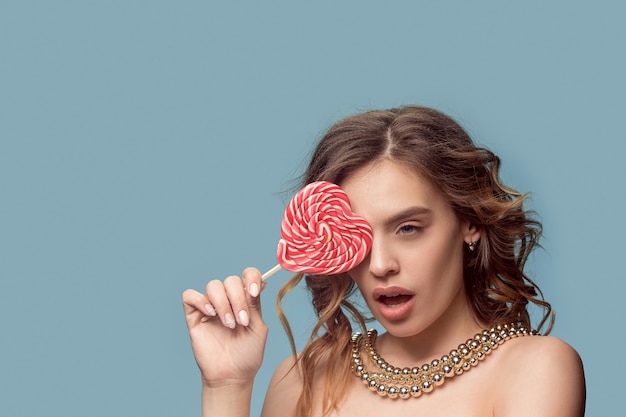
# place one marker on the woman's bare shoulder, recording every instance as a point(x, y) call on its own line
point(538, 354)
point(284, 390)
point(539, 375)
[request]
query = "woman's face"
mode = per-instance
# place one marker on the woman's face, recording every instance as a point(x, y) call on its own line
point(413, 276)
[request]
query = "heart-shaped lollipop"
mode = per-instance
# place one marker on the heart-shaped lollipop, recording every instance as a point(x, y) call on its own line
point(320, 234)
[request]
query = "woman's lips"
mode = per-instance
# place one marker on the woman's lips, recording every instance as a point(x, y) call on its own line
point(394, 303)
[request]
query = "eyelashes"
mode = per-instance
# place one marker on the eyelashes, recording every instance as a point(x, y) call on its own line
point(410, 229)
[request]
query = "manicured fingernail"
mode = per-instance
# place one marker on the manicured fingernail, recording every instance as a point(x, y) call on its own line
point(243, 318)
point(210, 310)
point(204, 319)
point(229, 320)
point(254, 289)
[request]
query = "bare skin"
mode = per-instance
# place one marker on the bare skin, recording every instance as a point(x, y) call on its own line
point(417, 251)
point(512, 382)
point(227, 381)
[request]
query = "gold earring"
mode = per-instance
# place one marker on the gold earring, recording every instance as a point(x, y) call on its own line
point(472, 245)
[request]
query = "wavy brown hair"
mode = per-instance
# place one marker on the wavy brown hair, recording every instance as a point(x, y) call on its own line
point(436, 147)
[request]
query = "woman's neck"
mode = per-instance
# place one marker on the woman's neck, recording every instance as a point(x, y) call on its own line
point(439, 338)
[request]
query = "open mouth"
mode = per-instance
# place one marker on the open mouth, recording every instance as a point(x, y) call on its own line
point(394, 300)
point(394, 303)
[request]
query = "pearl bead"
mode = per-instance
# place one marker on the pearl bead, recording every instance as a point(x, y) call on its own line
point(456, 362)
point(427, 386)
point(438, 379)
point(415, 391)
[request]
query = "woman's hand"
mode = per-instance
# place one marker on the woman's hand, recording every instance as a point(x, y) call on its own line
point(227, 331)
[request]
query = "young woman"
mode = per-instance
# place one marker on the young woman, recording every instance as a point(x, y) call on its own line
point(444, 277)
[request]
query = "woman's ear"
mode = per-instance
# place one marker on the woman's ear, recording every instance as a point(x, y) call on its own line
point(471, 233)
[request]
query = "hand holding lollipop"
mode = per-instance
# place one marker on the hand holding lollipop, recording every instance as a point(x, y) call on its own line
point(319, 235)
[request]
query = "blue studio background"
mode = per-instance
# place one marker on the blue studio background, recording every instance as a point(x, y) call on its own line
point(146, 147)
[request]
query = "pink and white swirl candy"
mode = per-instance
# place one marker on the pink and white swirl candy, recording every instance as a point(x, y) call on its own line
point(320, 234)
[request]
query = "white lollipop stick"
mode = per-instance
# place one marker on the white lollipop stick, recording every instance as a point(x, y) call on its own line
point(271, 272)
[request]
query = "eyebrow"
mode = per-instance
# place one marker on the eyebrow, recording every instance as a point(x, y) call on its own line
point(408, 213)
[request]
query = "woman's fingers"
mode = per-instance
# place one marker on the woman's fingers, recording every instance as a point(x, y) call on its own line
point(234, 300)
point(253, 284)
point(218, 299)
point(196, 306)
point(238, 301)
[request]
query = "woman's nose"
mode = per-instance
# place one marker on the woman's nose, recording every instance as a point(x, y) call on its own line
point(382, 262)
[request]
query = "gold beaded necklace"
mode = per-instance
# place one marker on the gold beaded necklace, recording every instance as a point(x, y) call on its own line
point(393, 382)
